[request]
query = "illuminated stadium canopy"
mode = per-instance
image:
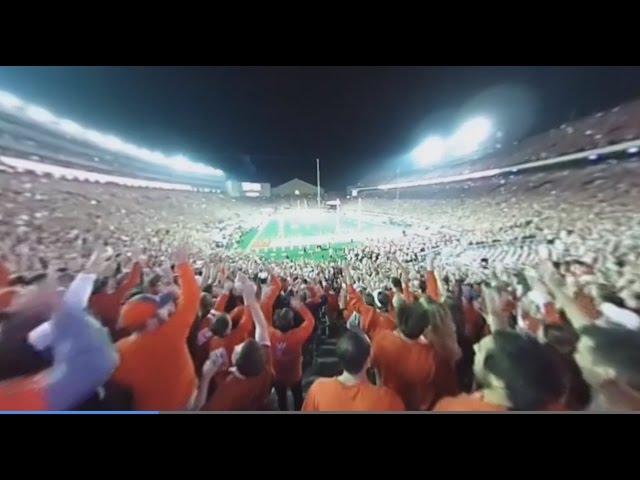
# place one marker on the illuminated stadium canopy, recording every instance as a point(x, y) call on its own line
point(464, 141)
point(15, 106)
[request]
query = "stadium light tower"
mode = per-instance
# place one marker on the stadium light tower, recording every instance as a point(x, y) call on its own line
point(470, 136)
point(429, 151)
point(318, 178)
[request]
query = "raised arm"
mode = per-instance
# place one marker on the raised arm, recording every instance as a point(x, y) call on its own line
point(554, 282)
point(189, 302)
point(133, 278)
point(83, 355)
point(270, 299)
point(303, 332)
point(248, 289)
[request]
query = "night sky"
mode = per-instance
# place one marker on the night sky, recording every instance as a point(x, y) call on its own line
point(270, 123)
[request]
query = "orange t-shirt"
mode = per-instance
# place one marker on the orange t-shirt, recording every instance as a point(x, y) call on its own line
point(445, 379)
point(372, 321)
point(408, 368)
point(331, 395)
point(156, 364)
point(243, 394)
point(476, 403)
point(286, 349)
point(467, 403)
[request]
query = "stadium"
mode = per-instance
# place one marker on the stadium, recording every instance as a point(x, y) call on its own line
point(464, 235)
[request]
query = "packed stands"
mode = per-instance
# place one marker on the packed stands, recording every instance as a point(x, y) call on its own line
point(515, 292)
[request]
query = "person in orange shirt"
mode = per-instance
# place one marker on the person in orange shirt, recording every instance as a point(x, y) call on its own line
point(372, 319)
point(351, 391)
point(155, 361)
point(403, 361)
point(249, 381)
point(270, 298)
point(286, 349)
point(516, 373)
point(441, 333)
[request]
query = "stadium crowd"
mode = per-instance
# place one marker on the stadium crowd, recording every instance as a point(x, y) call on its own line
point(517, 293)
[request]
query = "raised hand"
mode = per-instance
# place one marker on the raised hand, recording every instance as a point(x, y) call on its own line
point(97, 262)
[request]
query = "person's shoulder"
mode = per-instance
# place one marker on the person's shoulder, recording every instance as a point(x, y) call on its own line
point(384, 336)
point(390, 399)
point(323, 384)
point(466, 403)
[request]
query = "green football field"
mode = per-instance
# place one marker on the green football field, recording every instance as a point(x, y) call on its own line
point(312, 234)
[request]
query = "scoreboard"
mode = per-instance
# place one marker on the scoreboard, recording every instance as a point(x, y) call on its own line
point(248, 189)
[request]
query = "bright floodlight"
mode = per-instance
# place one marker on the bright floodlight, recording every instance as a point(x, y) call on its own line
point(429, 151)
point(469, 136)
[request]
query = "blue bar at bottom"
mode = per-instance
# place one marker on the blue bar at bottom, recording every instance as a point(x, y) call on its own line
point(47, 412)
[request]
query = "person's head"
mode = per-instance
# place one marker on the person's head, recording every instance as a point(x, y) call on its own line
point(441, 324)
point(609, 354)
point(154, 284)
point(606, 293)
point(422, 285)
point(303, 294)
point(353, 351)
point(368, 299)
point(249, 358)
point(396, 283)
point(412, 319)
point(220, 325)
point(138, 312)
point(562, 337)
point(17, 280)
point(283, 319)
point(206, 304)
point(520, 366)
point(381, 300)
point(100, 285)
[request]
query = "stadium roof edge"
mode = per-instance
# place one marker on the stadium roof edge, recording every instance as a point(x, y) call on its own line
point(496, 171)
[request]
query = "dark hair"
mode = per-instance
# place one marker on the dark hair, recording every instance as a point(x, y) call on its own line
point(396, 282)
point(220, 325)
point(206, 304)
point(617, 348)
point(208, 288)
point(154, 280)
point(100, 285)
point(283, 319)
point(530, 374)
point(563, 338)
point(384, 300)
point(251, 360)
point(609, 295)
point(353, 351)
point(37, 278)
point(16, 280)
point(368, 299)
point(412, 319)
